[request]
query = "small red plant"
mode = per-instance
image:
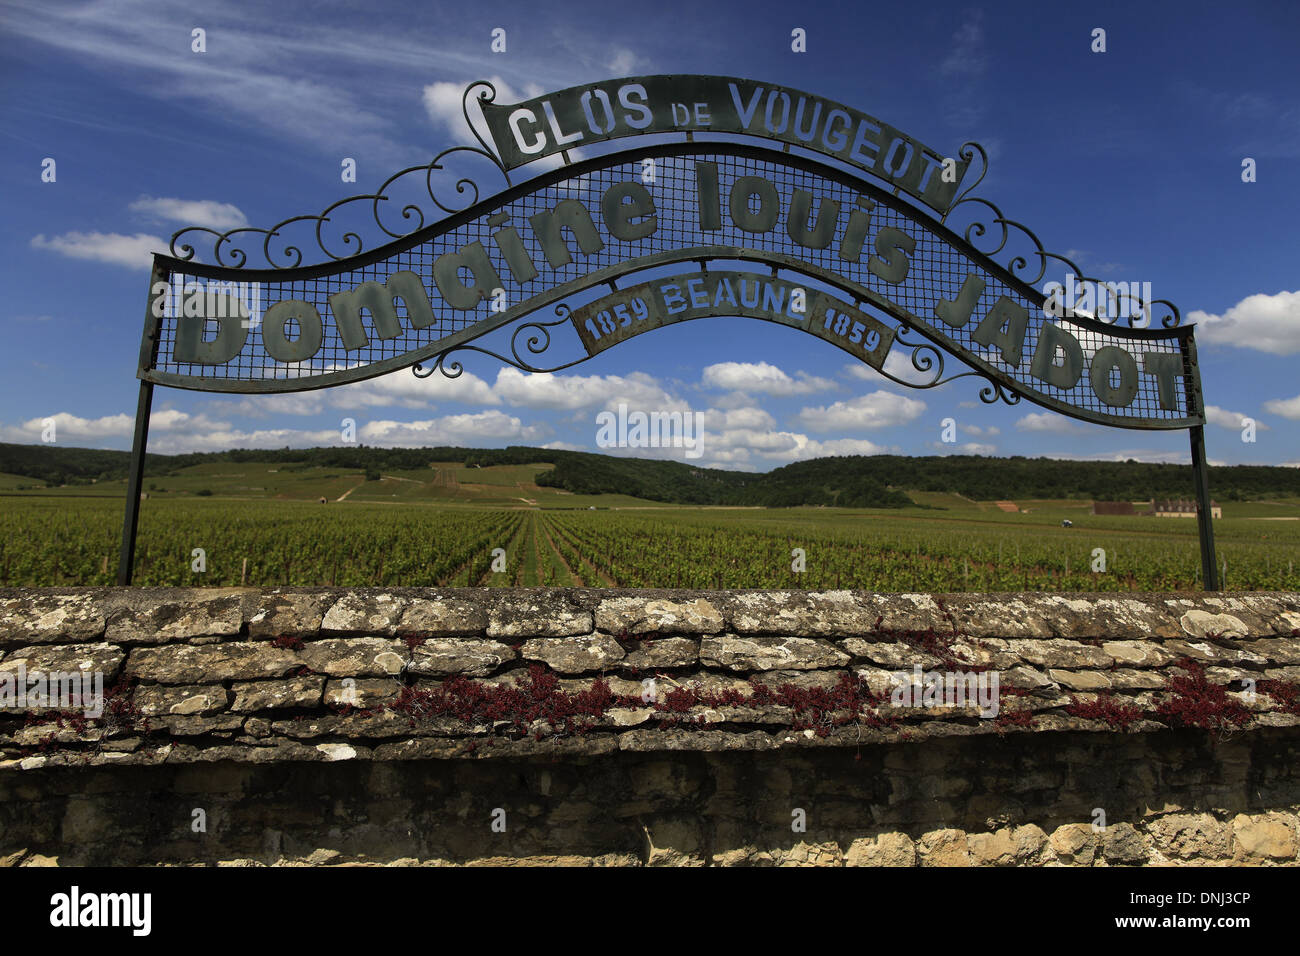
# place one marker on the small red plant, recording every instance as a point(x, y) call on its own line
point(1198, 703)
point(1106, 708)
point(1286, 693)
point(1014, 716)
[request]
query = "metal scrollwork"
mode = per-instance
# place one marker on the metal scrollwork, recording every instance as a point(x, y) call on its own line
point(994, 392)
point(926, 356)
point(537, 342)
point(987, 223)
point(228, 253)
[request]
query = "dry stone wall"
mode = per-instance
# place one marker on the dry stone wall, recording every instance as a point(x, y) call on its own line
point(627, 727)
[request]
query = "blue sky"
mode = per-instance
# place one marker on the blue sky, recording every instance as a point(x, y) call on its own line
point(1130, 161)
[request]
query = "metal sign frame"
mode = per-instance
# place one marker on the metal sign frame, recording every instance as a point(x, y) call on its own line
point(955, 270)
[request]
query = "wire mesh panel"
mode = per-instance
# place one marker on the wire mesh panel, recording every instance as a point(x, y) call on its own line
point(598, 220)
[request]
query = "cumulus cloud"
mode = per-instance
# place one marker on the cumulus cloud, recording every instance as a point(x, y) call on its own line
point(405, 390)
point(1049, 422)
point(763, 378)
point(898, 363)
point(742, 451)
point(134, 252)
point(175, 443)
point(876, 410)
point(965, 448)
point(576, 392)
point(736, 418)
point(1226, 419)
point(1286, 407)
point(1145, 455)
point(208, 213)
point(69, 427)
point(489, 427)
point(443, 103)
point(1268, 323)
point(810, 448)
point(451, 430)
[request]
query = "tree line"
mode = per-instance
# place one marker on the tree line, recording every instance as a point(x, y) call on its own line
point(852, 481)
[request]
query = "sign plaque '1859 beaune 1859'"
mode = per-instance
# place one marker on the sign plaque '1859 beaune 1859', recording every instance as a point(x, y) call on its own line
point(739, 198)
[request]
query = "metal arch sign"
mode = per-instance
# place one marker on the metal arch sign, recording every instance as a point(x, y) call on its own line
point(644, 105)
point(597, 222)
point(850, 231)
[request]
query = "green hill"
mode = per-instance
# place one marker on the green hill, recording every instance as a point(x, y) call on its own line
point(877, 481)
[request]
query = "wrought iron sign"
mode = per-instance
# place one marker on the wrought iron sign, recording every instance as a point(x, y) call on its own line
point(745, 199)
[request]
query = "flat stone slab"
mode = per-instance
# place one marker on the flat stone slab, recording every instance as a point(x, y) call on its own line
point(339, 674)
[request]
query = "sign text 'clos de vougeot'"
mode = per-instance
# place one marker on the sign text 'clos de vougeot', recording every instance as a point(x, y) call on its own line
point(741, 199)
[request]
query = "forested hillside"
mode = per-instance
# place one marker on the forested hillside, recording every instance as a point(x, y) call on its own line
point(858, 481)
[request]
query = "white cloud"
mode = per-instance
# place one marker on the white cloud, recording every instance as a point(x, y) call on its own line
point(256, 73)
point(170, 419)
point(309, 81)
point(69, 427)
point(966, 57)
point(181, 442)
point(763, 378)
point(736, 449)
point(624, 63)
point(450, 430)
point(898, 363)
point(403, 389)
point(207, 213)
point(1286, 407)
point(1226, 419)
point(1049, 422)
point(763, 442)
point(274, 403)
point(810, 448)
point(134, 252)
point(981, 432)
point(395, 390)
point(443, 101)
point(734, 418)
point(965, 448)
point(1268, 323)
point(1136, 454)
point(876, 410)
point(574, 392)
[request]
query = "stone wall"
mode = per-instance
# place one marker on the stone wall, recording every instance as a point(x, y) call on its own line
point(581, 725)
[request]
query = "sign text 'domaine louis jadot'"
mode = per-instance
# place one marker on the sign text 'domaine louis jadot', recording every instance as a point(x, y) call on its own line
point(836, 224)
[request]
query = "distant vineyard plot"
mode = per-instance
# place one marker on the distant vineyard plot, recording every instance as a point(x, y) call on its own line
point(411, 539)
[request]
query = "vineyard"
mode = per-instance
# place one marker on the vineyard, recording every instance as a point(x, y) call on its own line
point(46, 541)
